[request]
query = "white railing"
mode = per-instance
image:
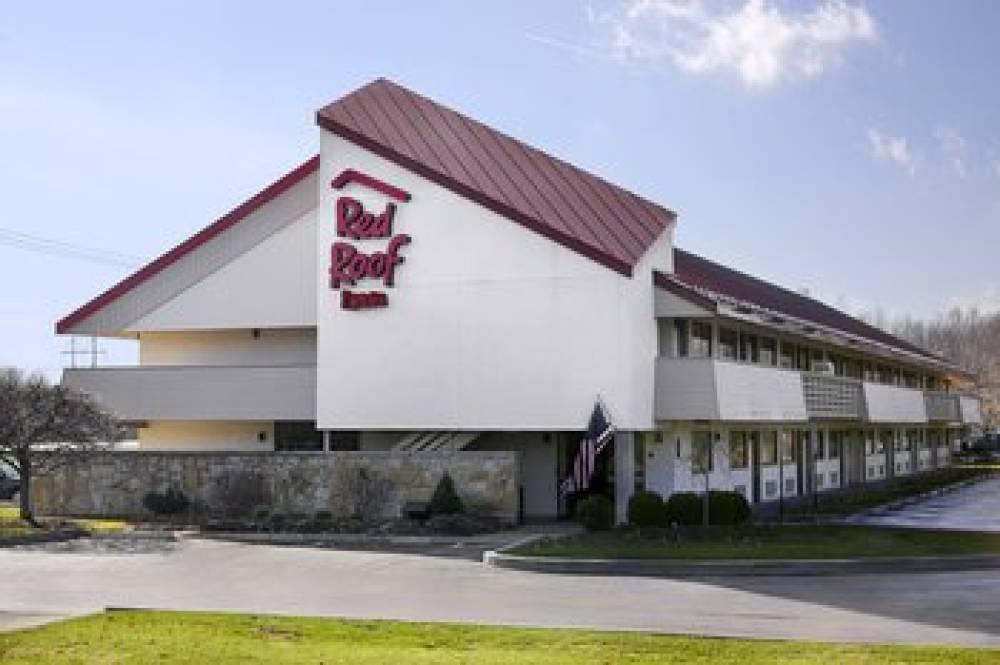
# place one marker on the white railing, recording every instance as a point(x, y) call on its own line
point(200, 392)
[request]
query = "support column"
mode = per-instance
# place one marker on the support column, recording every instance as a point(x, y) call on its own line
point(326, 441)
point(624, 473)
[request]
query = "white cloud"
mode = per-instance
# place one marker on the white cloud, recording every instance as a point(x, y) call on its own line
point(954, 147)
point(892, 149)
point(758, 41)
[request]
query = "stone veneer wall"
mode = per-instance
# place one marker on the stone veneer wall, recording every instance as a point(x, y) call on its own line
point(114, 484)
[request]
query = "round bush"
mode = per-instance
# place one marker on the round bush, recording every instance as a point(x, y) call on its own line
point(171, 502)
point(595, 512)
point(684, 508)
point(727, 508)
point(646, 509)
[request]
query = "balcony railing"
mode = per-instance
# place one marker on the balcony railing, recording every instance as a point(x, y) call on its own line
point(833, 397)
point(942, 407)
point(200, 392)
point(712, 389)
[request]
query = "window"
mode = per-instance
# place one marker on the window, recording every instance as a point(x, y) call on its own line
point(727, 344)
point(819, 445)
point(302, 436)
point(768, 351)
point(789, 449)
point(639, 464)
point(787, 358)
point(701, 452)
point(834, 479)
point(738, 450)
point(886, 440)
point(681, 335)
point(768, 448)
point(748, 348)
point(701, 339)
point(836, 441)
point(802, 359)
point(838, 364)
point(789, 486)
point(770, 488)
point(818, 480)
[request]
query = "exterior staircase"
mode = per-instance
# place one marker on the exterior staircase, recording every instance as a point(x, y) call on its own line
point(435, 442)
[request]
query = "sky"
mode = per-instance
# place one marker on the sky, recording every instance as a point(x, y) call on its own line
point(847, 148)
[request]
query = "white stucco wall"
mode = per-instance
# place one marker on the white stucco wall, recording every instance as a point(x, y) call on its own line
point(489, 326)
point(204, 435)
point(292, 346)
point(272, 284)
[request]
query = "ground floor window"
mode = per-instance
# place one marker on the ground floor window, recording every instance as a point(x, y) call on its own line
point(701, 452)
point(769, 448)
point(302, 436)
point(738, 450)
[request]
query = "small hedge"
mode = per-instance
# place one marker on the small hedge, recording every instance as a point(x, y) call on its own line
point(647, 510)
point(727, 508)
point(595, 512)
point(724, 509)
point(684, 508)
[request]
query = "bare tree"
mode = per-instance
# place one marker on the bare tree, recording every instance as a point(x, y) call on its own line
point(971, 340)
point(44, 426)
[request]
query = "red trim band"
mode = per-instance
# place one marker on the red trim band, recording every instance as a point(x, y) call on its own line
point(252, 204)
point(350, 175)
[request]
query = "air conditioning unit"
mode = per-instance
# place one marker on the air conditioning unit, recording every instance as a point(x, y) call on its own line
point(823, 367)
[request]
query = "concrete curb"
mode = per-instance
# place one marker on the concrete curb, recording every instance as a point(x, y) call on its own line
point(739, 568)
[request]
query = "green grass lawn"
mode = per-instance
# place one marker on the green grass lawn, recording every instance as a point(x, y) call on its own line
point(169, 637)
point(11, 524)
point(767, 542)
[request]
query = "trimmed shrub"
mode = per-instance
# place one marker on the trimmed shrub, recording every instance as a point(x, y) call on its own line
point(684, 508)
point(595, 512)
point(646, 510)
point(445, 500)
point(171, 502)
point(727, 508)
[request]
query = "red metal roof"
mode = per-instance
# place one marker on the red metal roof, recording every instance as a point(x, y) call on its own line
point(706, 276)
point(549, 196)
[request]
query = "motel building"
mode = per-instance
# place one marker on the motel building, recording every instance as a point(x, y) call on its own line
point(426, 284)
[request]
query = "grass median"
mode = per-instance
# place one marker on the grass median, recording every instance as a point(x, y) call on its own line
point(176, 637)
point(766, 542)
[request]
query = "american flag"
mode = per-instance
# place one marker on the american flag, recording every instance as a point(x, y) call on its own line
point(599, 433)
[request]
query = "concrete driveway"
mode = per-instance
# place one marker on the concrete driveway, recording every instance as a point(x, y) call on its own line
point(212, 575)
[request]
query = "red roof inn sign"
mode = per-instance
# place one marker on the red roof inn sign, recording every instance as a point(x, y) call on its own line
point(348, 264)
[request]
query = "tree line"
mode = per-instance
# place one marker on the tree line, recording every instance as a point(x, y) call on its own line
point(966, 337)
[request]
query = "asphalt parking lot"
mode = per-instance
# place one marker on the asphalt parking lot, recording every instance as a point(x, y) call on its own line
point(441, 582)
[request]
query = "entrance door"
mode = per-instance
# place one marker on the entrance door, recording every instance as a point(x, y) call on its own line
point(754, 438)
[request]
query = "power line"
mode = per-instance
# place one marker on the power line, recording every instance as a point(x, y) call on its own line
point(32, 243)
